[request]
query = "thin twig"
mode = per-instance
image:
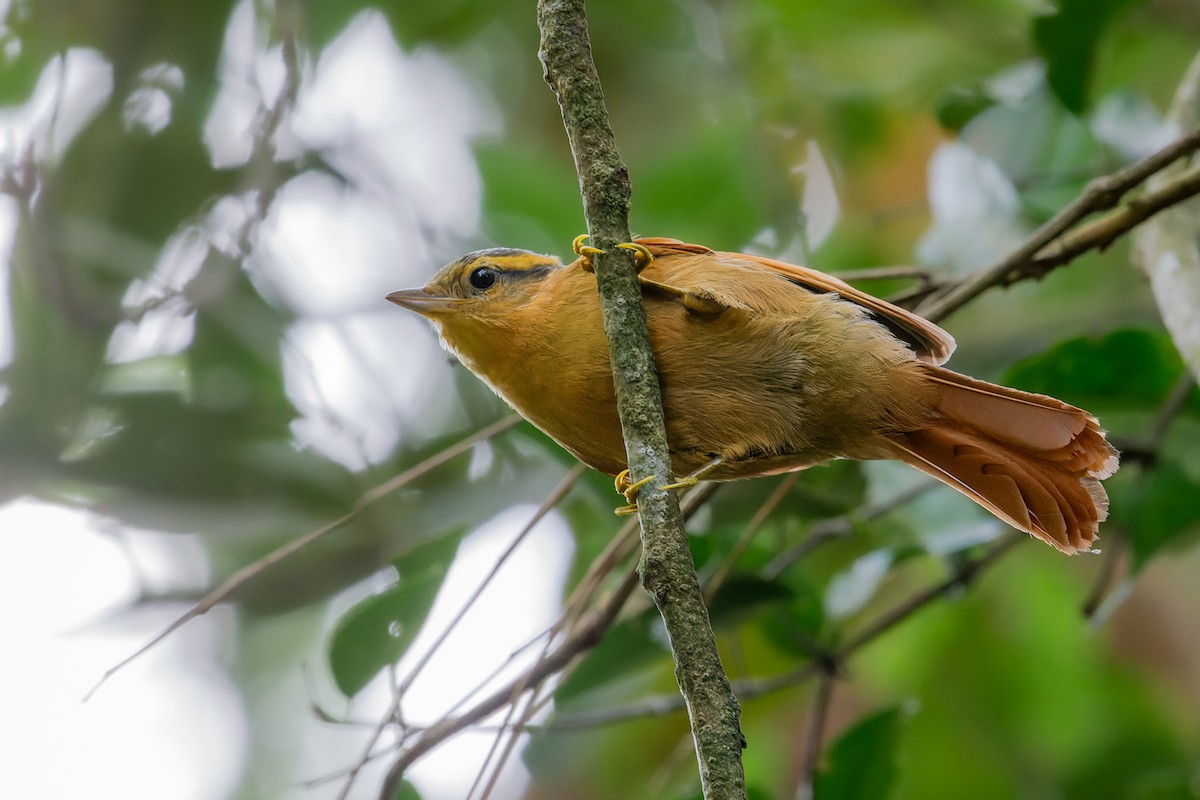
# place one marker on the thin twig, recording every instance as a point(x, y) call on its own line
point(752, 528)
point(837, 527)
point(962, 577)
point(584, 634)
point(1157, 431)
point(1144, 449)
point(1114, 556)
point(818, 715)
point(661, 705)
point(533, 706)
point(1100, 233)
point(509, 733)
point(555, 497)
point(256, 568)
point(1100, 194)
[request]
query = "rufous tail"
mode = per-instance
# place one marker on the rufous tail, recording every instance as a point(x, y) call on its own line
point(1033, 461)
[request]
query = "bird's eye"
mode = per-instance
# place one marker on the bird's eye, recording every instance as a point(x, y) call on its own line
point(483, 278)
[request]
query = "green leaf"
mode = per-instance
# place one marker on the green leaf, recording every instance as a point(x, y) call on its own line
point(793, 628)
point(744, 596)
point(957, 106)
point(1132, 368)
point(1068, 40)
point(378, 630)
point(630, 646)
point(1157, 509)
point(828, 490)
point(862, 763)
point(406, 791)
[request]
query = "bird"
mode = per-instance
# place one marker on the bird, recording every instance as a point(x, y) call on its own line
point(767, 368)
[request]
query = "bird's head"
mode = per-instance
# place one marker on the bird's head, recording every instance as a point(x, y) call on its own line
point(480, 285)
point(482, 306)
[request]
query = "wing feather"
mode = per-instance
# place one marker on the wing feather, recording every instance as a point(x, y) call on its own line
point(929, 342)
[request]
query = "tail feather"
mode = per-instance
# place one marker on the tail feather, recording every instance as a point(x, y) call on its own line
point(1033, 461)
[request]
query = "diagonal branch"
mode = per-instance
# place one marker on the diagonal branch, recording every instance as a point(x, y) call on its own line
point(584, 633)
point(1100, 233)
point(251, 571)
point(964, 574)
point(1101, 194)
point(553, 499)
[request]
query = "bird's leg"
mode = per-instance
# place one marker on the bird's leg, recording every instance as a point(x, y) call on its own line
point(630, 488)
point(627, 486)
point(642, 257)
point(693, 301)
point(697, 476)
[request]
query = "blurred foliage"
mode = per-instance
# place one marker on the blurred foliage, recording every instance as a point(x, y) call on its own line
point(1068, 39)
point(378, 630)
point(951, 128)
point(862, 763)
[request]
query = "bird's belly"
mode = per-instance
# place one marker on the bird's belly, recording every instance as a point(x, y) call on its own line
point(582, 416)
point(780, 398)
point(764, 396)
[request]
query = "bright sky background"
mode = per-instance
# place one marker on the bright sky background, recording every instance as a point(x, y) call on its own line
point(173, 724)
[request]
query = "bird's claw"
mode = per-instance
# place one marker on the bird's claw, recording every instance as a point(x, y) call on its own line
point(628, 487)
point(585, 252)
point(641, 254)
point(625, 485)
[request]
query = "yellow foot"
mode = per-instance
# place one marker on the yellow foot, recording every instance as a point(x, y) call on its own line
point(629, 488)
point(585, 252)
point(685, 483)
point(641, 256)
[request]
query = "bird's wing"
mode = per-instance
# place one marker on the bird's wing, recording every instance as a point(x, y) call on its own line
point(929, 342)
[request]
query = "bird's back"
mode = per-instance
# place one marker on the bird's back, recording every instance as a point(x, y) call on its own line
point(781, 378)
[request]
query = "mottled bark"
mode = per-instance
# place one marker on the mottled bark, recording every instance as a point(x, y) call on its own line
point(667, 571)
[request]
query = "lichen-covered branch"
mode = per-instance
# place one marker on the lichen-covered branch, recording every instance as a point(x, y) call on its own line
point(667, 571)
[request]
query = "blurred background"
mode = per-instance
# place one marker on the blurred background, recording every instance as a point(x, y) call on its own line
point(203, 206)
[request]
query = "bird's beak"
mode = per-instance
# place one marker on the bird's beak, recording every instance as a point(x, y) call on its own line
point(424, 303)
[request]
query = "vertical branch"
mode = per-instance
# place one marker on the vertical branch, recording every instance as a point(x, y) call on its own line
point(667, 571)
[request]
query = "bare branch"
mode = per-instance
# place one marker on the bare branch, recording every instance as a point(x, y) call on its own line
point(584, 634)
point(1101, 233)
point(553, 499)
point(963, 575)
point(584, 637)
point(253, 570)
point(1100, 195)
point(818, 714)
